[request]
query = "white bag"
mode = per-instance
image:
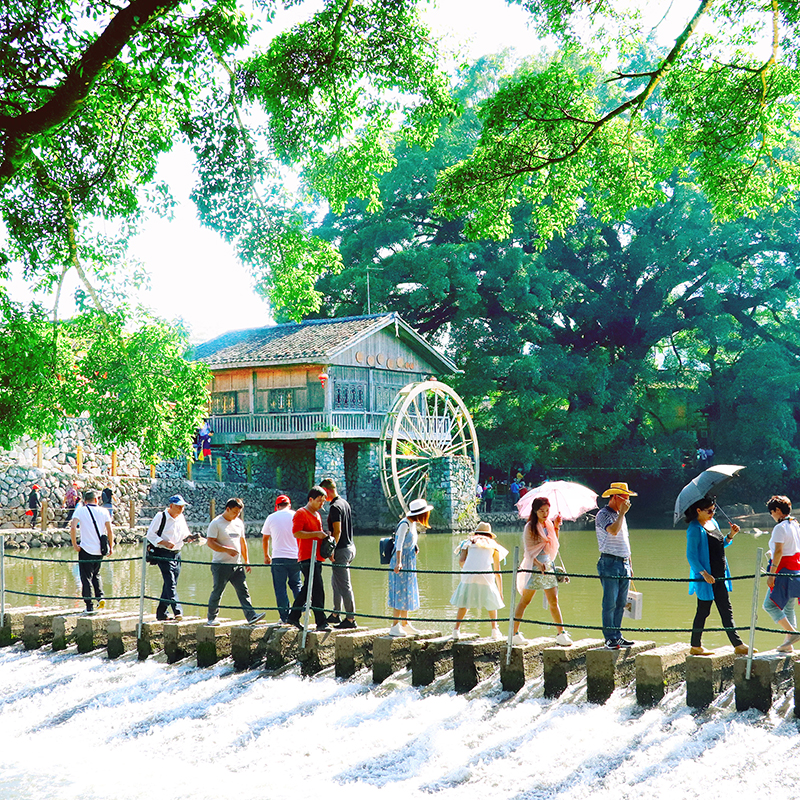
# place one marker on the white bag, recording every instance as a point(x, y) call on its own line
point(633, 605)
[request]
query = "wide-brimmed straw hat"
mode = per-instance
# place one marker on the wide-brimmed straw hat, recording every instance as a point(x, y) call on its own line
point(485, 529)
point(418, 506)
point(619, 488)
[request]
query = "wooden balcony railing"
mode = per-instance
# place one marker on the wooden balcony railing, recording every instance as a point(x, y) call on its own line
point(278, 424)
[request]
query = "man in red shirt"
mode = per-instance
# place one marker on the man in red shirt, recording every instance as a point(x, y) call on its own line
point(307, 526)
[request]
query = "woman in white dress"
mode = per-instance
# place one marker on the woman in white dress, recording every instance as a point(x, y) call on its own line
point(480, 586)
point(540, 540)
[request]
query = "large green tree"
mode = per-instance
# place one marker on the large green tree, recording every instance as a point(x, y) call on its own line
point(615, 346)
point(137, 385)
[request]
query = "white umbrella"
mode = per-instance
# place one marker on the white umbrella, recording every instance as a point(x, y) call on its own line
point(699, 487)
point(569, 499)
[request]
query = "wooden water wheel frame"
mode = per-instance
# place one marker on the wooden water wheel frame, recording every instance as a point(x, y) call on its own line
point(428, 421)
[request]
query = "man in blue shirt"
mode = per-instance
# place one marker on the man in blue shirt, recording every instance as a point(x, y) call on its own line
point(614, 565)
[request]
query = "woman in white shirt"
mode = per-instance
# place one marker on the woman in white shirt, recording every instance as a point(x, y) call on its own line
point(784, 578)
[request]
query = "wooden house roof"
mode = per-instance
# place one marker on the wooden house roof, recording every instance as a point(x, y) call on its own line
point(315, 341)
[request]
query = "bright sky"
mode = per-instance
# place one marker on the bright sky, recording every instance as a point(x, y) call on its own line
point(194, 274)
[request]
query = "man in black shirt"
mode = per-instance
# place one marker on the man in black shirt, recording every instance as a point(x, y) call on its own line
point(340, 525)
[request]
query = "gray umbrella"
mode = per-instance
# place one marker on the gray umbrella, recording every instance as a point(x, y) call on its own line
point(699, 487)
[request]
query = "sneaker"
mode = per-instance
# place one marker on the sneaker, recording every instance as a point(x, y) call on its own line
point(612, 644)
point(101, 604)
point(456, 635)
point(564, 639)
point(179, 618)
point(791, 638)
point(625, 642)
point(256, 618)
point(213, 622)
point(743, 650)
point(700, 651)
point(496, 635)
point(784, 648)
point(518, 638)
point(409, 628)
point(295, 622)
point(334, 619)
point(324, 628)
point(396, 630)
point(346, 624)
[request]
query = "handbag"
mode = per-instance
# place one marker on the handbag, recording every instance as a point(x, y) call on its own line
point(327, 546)
point(386, 547)
point(561, 571)
point(633, 605)
point(151, 557)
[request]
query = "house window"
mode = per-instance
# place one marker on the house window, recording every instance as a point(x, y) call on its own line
point(349, 396)
point(281, 400)
point(223, 403)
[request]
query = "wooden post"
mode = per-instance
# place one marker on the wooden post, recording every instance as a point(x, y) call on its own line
point(152, 472)
point(79, 459)
point(39, 453)
point(278, 477)
point(43, 520)
point(248, 465)
point(188, 468)
point(212, 509)
point(113, 463)
point(132, 513)
point(219, 469)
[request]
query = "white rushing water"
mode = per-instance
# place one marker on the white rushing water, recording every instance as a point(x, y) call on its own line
point(81, 726)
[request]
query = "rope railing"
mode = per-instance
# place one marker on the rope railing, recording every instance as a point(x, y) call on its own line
point(385, 569)
point(355, 567)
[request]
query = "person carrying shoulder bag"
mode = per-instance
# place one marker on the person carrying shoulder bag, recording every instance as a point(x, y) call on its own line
point(167, 534)
point(95, 526)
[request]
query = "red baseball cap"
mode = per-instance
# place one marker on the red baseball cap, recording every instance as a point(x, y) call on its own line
point(281, 500)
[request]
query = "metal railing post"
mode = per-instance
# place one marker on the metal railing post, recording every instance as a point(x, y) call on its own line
point(141, 592)
point(756, 582)
point(512, 606)
point(309, 591)
point(2, 579)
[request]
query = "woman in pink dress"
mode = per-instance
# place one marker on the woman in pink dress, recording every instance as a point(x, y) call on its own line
point(537, 571)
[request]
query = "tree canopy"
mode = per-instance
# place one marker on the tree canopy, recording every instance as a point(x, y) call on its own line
point(619, 345)
point(608, 122)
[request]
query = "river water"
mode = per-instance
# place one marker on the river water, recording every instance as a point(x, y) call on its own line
point(80, 726)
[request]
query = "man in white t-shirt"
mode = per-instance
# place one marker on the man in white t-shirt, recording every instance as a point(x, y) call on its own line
point(277, 530)
point(93, 523)
point(226, 537)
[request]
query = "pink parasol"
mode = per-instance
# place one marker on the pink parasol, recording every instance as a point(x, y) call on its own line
point(569, 499)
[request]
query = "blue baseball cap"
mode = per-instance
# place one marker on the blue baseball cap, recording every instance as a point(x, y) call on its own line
point(177, 500)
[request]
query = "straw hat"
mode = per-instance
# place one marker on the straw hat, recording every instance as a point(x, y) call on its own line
point(619, 488)
point(485, 529)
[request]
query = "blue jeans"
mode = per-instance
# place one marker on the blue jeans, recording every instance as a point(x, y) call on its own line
point(223, 574)
point(170, 567)
point(614, 578)
point(777, 614)
point(285, 571)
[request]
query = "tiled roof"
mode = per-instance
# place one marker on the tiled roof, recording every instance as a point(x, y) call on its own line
point(310, 341)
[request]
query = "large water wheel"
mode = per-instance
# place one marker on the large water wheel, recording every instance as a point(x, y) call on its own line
point(428, 421)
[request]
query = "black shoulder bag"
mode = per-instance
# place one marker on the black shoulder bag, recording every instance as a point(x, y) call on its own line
point(101, 536)
point(150, 556)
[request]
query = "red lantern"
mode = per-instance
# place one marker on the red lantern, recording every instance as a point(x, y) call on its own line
point(322, 378)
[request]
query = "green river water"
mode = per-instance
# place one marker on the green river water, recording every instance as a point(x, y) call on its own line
point(656, 553)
